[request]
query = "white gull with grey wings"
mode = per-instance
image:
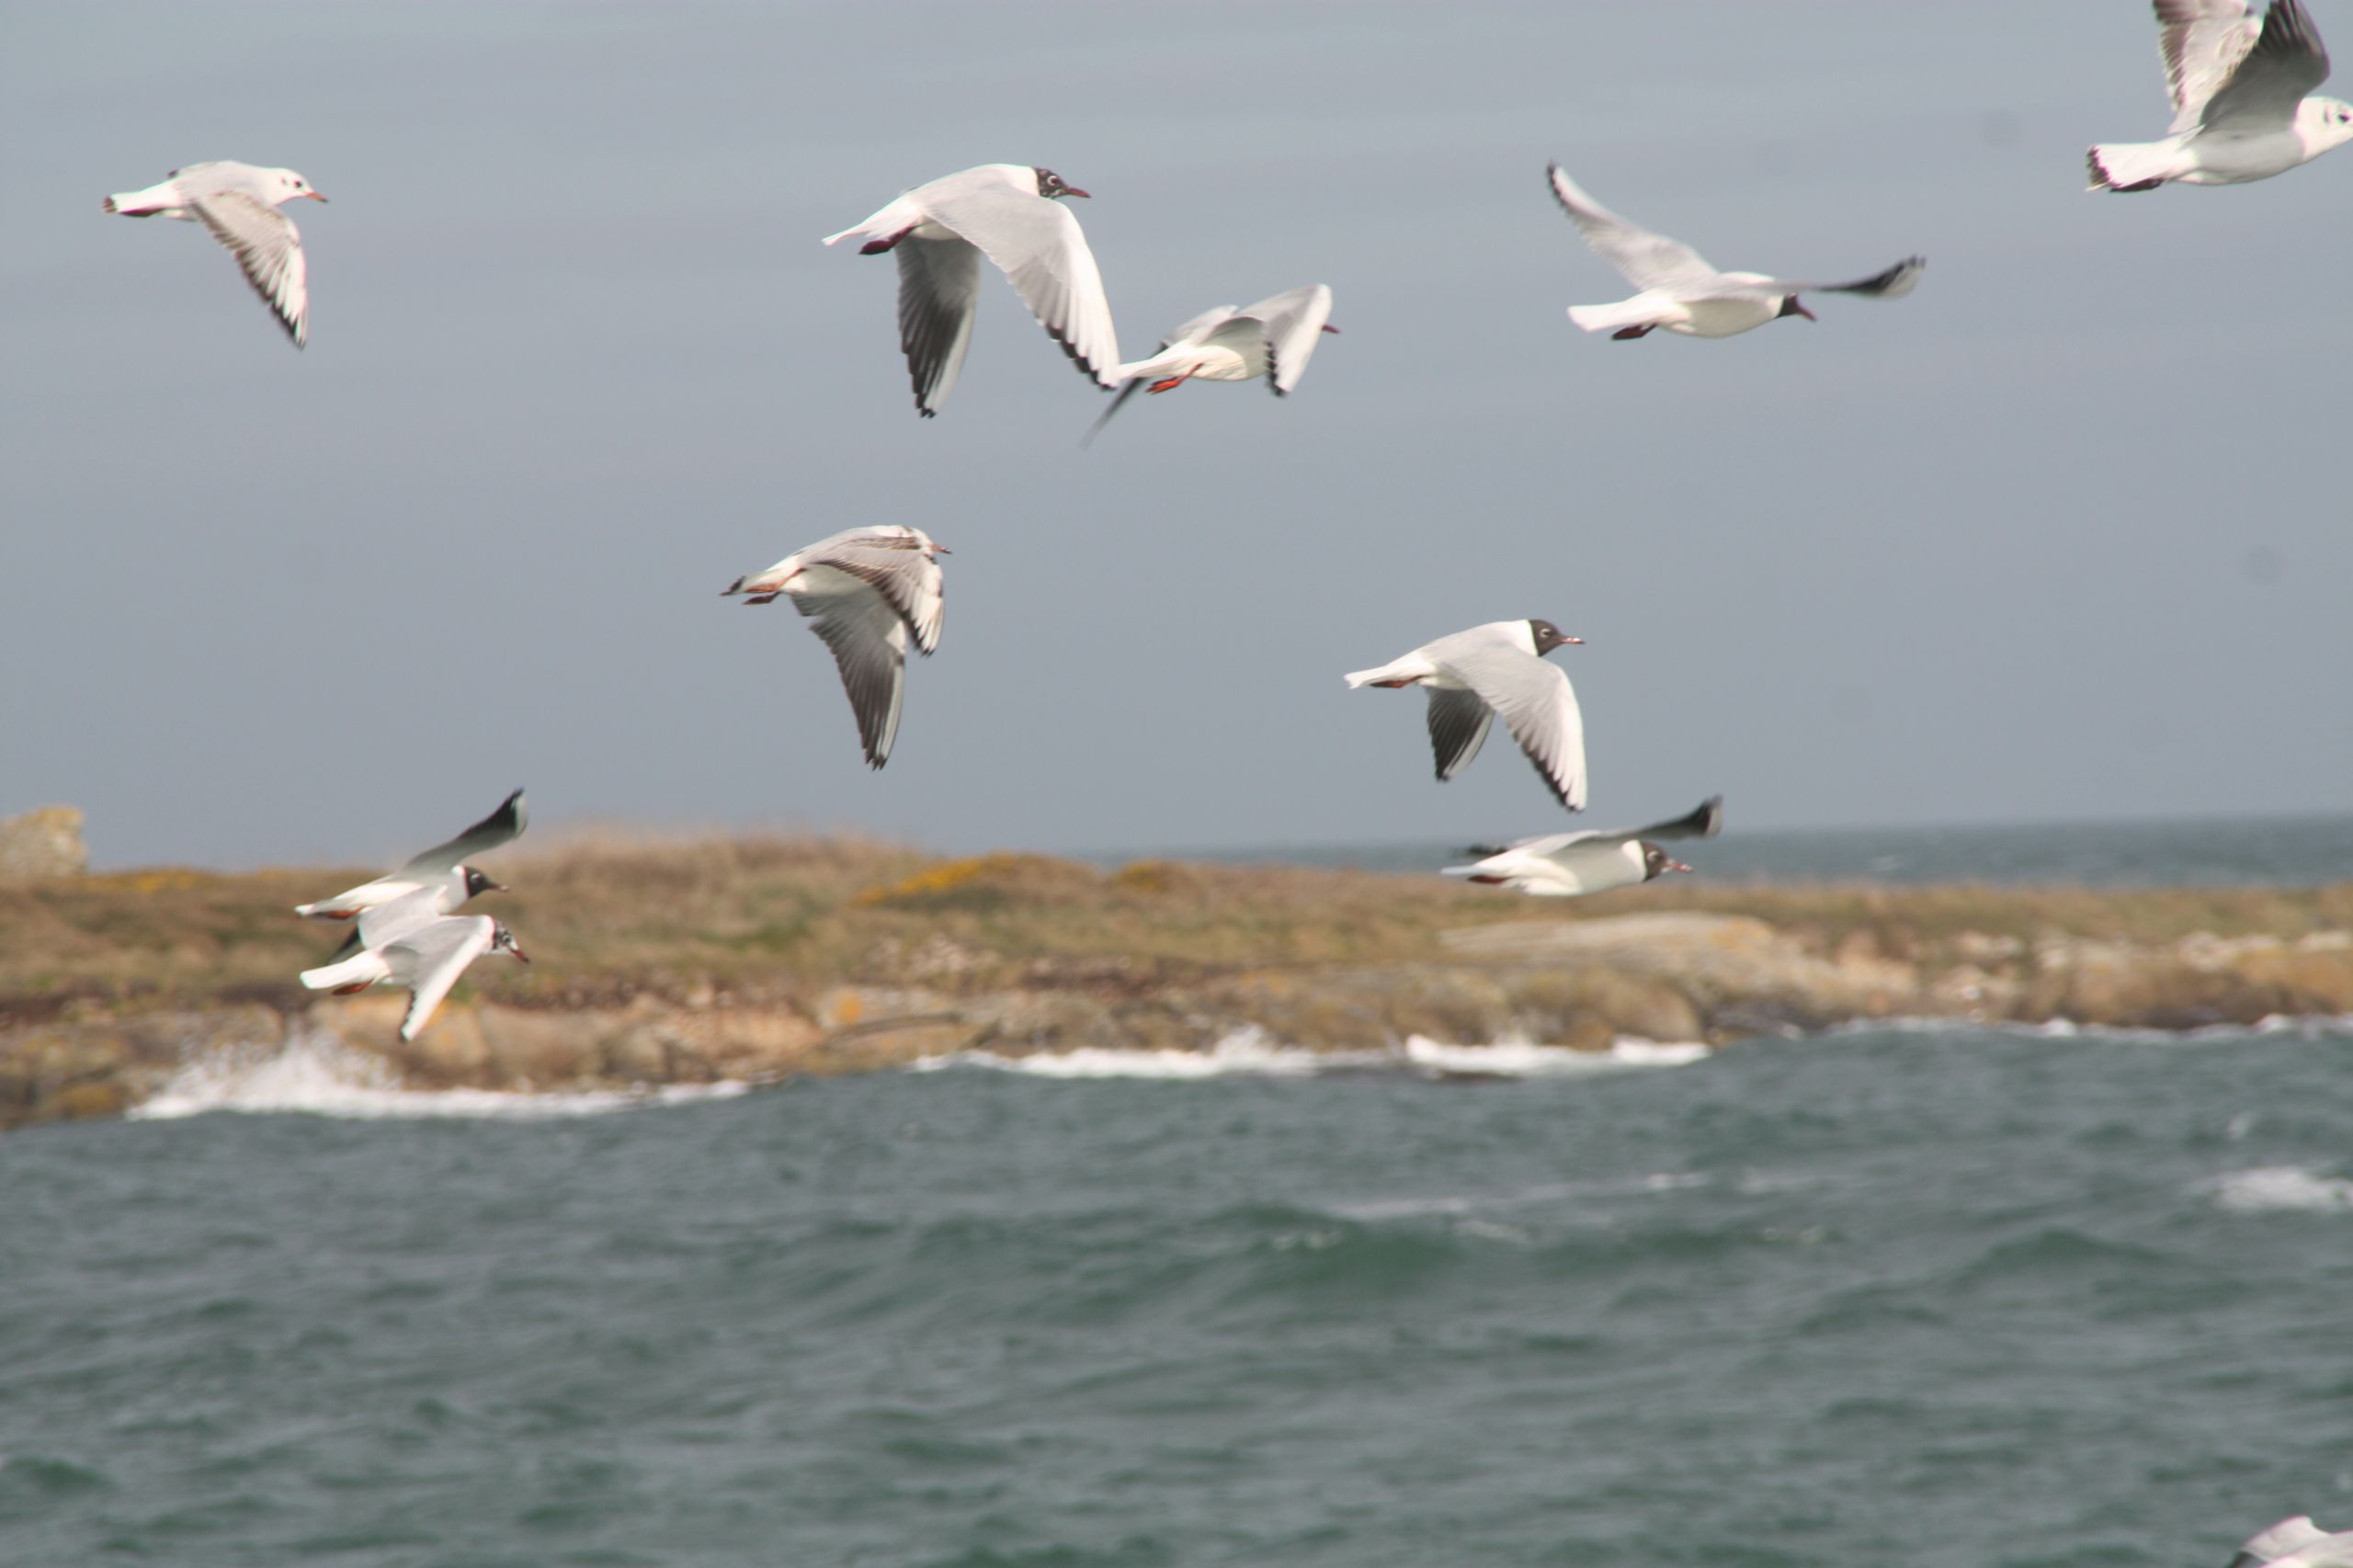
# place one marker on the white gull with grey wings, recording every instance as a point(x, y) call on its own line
point(868, 592)
point(239, 202)
point(441, 870)
point(1013, 214)
point(1681, 292)
point(1497, 668)
point(1274, 338)
point(2240, 90)
point(1568, 865)
point(409, 942)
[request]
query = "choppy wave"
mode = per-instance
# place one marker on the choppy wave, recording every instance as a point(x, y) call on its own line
point(2271, 1189)
point(2318, 1025)
point(1249, 1053)
point(1511, 1059)
point(317, 1074)
point(1542, 1195)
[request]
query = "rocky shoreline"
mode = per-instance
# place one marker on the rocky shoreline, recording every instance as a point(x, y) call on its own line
point(1581, 982)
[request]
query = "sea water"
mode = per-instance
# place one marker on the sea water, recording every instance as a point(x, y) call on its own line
point(1924, 1295)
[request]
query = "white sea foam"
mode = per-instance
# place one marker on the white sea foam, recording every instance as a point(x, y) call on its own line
point(1245, 1053)
point(2272, 1190)
point(1517, 1058)
point(1545, 1194)
point(2314, 1026)
point(315, 1073)
point(1250, 1053)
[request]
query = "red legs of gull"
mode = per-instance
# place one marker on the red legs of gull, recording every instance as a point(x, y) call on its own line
point(1173, 382)
point(355, 986)
point(1627, 334)
point(770, 597)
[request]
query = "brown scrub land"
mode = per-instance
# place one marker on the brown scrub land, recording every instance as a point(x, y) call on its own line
point(668, 960)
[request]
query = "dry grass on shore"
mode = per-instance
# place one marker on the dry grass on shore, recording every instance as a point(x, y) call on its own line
point(610, 915)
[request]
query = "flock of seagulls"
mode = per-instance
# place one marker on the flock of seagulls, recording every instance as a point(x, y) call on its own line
point(2242, 89)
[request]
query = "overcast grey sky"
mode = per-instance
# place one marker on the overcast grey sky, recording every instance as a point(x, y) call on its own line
point(2063, 535)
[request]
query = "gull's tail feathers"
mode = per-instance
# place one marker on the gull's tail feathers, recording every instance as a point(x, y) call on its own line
point(2132, 166)
point(358, 969)
point(1616, 317)
point(142, 203)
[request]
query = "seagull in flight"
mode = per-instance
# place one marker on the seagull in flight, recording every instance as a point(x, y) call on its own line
point(868, 592)
point(1565, 865)
point(1496, 669)
point(2240, 103)
point(410, 942)
point(1681, 292)
point(239, 203)
point(1013, 214)
point(1273, 338)
point(440, 871)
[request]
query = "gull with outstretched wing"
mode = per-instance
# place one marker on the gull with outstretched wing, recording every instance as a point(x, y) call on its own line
point(442, 869)
point(1567, 865)
point(868, 592)
point(2243, 107)
point(1496, 669)
point(1013, 214)
point(409, 942)
point(238, 203)
point(1274, 338)
point(1681, 292)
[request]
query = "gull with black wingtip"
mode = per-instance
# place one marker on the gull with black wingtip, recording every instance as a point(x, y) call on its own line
point(1013, 214)
point(409, 942)
point(440, 871)
point(1497, 668)
point(1273, 338)
point(239, 202)
point(1569, 865)
point(868, 592)
point(1681, 292)
point(2239, 88)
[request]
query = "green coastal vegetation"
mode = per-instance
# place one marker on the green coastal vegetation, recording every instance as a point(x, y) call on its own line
point(681, 959)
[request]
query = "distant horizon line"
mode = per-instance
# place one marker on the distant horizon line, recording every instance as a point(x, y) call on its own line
point(2248, 819)
point(1264, 848)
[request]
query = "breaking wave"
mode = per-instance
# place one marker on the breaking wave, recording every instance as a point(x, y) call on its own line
point(2277, 1189)
point(1249, 1053)
point(317, 1074)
